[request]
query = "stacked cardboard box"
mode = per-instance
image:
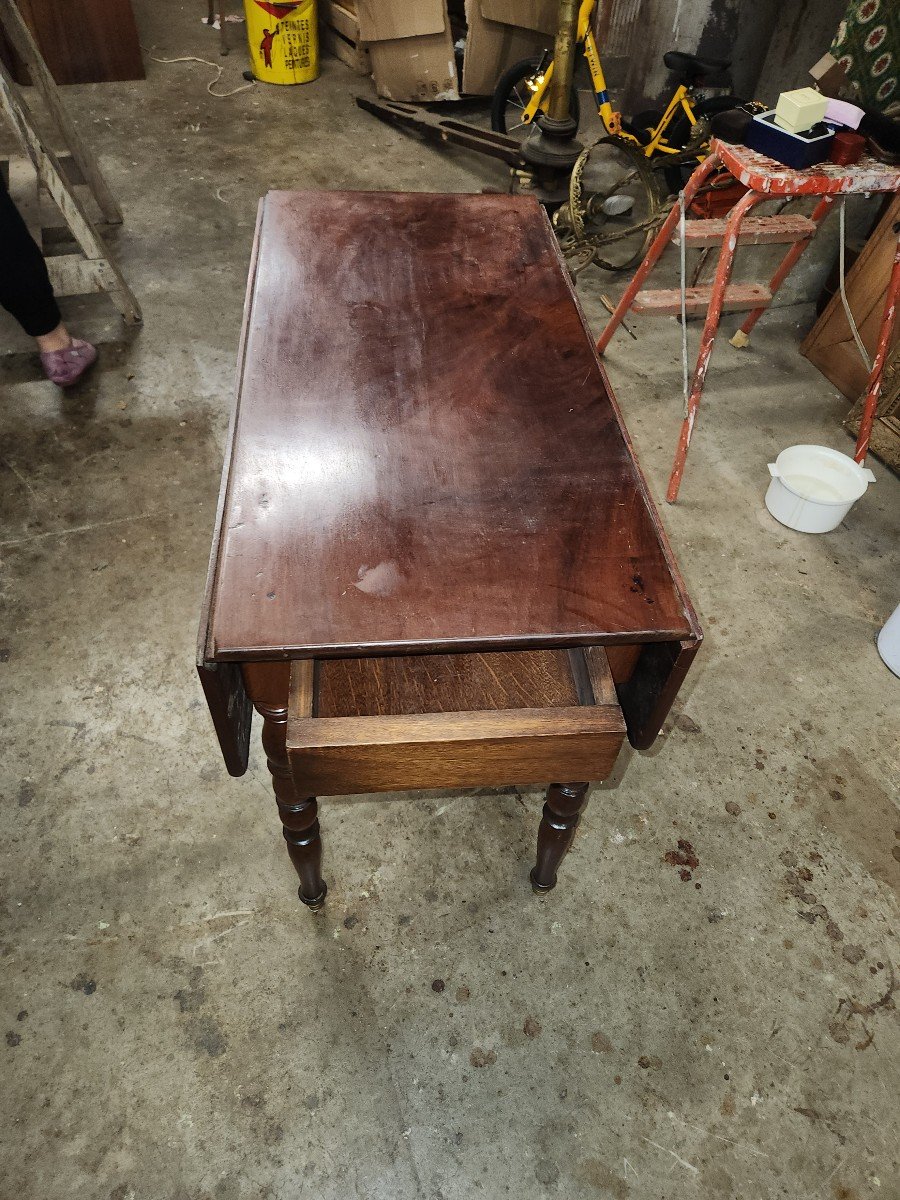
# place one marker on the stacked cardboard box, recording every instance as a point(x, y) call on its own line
point(412, 46)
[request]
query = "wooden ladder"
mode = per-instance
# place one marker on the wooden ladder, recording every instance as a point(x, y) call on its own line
point(73, 271)
point(738, 297)
point(726, 233)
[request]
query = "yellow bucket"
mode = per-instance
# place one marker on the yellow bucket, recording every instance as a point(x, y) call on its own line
point(284, 40)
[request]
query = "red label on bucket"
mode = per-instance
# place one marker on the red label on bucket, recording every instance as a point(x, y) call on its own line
point(276, 10)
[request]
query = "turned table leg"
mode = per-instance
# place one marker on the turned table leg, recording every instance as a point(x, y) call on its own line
point(267, 684)
point(564, 805)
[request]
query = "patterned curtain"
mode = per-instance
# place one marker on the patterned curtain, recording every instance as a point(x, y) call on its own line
point(868, 45)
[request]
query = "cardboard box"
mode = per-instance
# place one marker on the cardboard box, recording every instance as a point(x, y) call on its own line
point(411, 45)
point(540, 15)
point(411, 48)
point(492, 46)
point(830, 76)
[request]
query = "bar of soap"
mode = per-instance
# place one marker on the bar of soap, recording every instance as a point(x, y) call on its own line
point(840, 112)
point(800, 109)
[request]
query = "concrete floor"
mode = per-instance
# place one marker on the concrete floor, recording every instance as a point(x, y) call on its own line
point(177, 1026)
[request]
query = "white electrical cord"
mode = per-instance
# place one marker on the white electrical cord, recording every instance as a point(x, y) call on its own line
point(853, 329)
point(684, 341)
point(212, 83)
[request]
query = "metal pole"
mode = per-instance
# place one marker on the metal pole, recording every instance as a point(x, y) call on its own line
point(563, 60)
point(551, 145)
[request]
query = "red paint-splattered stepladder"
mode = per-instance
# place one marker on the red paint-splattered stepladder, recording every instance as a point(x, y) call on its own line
point(764, 179)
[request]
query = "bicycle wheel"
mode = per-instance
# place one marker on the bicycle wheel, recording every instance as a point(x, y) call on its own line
point(512, 95)
point(679, 134)
point(614, 202)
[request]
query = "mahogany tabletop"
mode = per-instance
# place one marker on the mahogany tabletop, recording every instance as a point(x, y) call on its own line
point(425, 454)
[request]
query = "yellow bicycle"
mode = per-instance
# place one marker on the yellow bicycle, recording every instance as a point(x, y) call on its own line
point(619, 183)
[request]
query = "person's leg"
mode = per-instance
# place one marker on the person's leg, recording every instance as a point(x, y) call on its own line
point(25, 289)
point(26, 293)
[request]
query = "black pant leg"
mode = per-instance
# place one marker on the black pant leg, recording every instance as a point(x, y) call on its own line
point(25, 289)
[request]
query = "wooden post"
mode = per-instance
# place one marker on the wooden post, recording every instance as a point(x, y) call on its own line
point(96, 271)
point(25, 46)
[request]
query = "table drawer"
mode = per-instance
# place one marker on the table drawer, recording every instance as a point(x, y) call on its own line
point(456, 720)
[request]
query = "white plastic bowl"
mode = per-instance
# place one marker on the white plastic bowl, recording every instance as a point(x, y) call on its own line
point(814, 487)
point(889, 641)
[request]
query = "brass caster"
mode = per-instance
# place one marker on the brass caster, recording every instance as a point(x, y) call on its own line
point(317, 903)
point(540, 888)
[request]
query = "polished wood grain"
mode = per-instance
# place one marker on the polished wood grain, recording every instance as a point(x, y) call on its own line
point(603, 687)
point(562, 810)
point(82, 41)
point(439, 721)
point(426, 455)
point(462, 720)
point(347, 755)
point(302, 696)
point(647, 696)
point(438, 683)
point(269, 686)
point(622, 660)
point(230, 709)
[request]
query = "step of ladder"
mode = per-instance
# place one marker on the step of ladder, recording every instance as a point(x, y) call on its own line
point(755, 231)
point(667, 301)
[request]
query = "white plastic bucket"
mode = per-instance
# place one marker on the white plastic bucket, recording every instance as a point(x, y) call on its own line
point(814, 487)
point(889, 641)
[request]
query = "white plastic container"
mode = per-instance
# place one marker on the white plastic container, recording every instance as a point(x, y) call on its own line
point(814, 487)
point(889, 642)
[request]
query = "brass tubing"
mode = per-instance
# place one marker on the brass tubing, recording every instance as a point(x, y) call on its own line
point(563, 61)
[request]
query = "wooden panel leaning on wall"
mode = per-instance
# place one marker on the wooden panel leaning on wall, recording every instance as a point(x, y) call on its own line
point(82, 41)
point(829, 345)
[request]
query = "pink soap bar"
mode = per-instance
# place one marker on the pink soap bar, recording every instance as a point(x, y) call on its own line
point(842, 113)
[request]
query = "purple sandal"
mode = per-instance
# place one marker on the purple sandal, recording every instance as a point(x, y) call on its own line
point(65, 367)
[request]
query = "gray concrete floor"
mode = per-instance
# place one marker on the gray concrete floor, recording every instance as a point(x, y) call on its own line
point(177, 1026)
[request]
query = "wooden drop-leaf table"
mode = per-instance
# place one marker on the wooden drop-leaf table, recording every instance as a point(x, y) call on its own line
point(436, 562)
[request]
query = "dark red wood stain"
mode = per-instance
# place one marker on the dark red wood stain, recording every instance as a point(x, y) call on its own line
point(426, 454)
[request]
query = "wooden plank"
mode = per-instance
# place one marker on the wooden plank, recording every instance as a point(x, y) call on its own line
point(755, 231)
point(622, 661)
point(83, 41)
point(445, 683)
point(70, 205)
point(230, 709)
point(341, 20)
point(451, 474)
point(302, 687)
point(347, 755)
point(23, 43)
point(829, 345)
point(762, 174)
point(667, 301)
point(602, 682)
point(355, 57)
point(648, 694)
point(75, 275)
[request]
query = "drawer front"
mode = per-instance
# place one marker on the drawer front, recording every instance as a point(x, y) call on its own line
point(380, 743)
point(346, 755)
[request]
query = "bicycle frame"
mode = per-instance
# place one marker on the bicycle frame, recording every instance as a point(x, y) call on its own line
point(611, 117)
